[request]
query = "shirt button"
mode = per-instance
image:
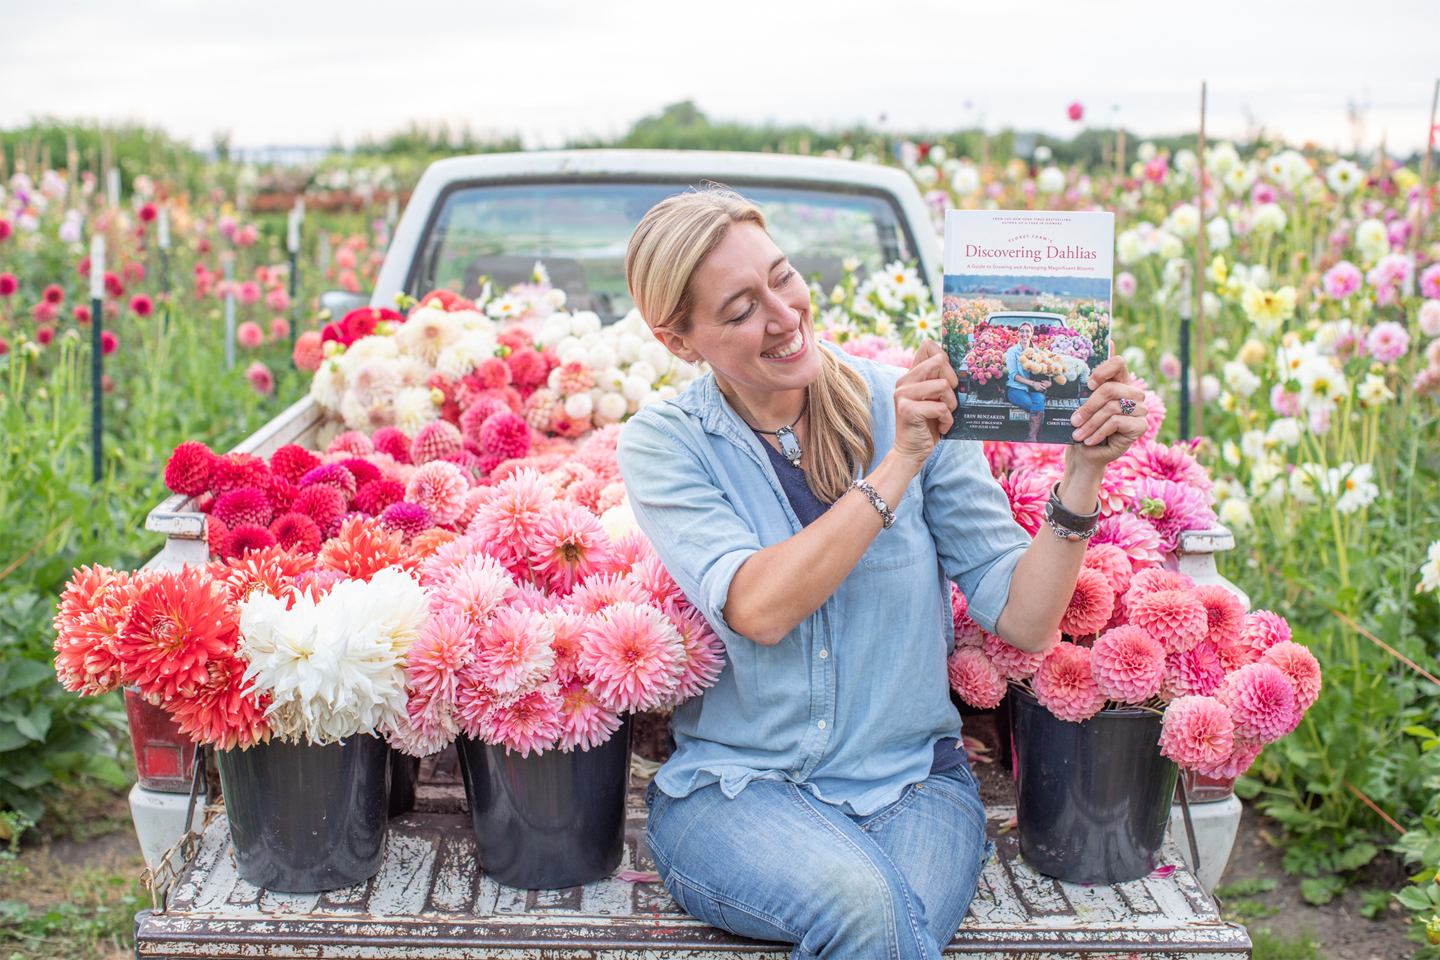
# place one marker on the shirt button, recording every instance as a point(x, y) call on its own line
point(821, 724)
point(824, 654)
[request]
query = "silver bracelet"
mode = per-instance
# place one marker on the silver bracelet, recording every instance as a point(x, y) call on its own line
point(887, 516)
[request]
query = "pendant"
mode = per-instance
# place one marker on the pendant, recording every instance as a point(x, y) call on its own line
point(789, 445)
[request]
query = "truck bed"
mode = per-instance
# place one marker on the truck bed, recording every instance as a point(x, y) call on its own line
point(430, 900)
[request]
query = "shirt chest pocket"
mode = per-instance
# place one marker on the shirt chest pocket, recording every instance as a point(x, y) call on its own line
point(893, 553)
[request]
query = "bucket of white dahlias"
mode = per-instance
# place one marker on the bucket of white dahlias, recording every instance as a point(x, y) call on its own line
point(308, 808)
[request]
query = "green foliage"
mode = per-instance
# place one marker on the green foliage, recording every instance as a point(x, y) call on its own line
point(98, 918)
point(1270, 947)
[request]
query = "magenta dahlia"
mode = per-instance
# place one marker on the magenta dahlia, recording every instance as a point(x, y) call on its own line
point(505, 434)
point(374, 497)
point(1028, 492)
point(245, 505)
point(1177, 463)
point(331, 475)
point(408, 518)
point(393, 442)
point(1173, 508)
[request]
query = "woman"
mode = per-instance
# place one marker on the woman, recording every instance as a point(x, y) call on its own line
point(819, 794)
point(1025, 393)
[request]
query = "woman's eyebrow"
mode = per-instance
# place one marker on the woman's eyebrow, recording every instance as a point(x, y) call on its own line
point(740, 293)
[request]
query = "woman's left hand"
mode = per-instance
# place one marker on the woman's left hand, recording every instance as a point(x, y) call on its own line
point(1101, 418)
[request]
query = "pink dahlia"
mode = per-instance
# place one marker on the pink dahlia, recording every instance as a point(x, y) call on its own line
point(604, 590)
point(1300, 668)
point(1174, 617)
point(959, 604)
point(704, 651)
point(1172, 508)
point(1198, 671)
point(1028, 491)
point(635, 657)
point(245, 505)
point(297, 530)
point(444, 560)
point(1090, 604)
point(374, 497)
point(1111, 561)
point(1045, 458)
point(475, 589)
point(436, 439)
point(585, 722)
point(364, 472)
point(1242, 755)
point(1135, 535)
point(1224, 612)
point(352, 442)
point(975, 678)
point(511, 517)
point(1116, 492)
point(292, 462)
point(1341, 280)
point(505, 434)
point(627, 552)
point(1197, 732)
point(656, 581)
point(524, 723)
point(1387, 341)
point(513, 652)
point(1261, 700)
point(188, 469)
point(440, 487)
point(408, 518)
point(1128, 665)
point(322, 503)
point(1263, 630)
point(569, 629)
point(968, 633)
point(1153, 580)
point(479, 410)
point(567, 546)
point(1012, 662)
point(392, 441)
point(331, 475)
point(1148, 459)
point(1065, 684)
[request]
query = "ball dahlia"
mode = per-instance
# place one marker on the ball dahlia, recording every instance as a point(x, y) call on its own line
point(439, 487)
point(1174, 617)
point(363, 471)
point(322, 503)
point(975, 678)
point(1197, 732)
point(235, 470)
point(436, 439)
point(1261, 700)
point(1090, 604)
point(475, 415)
point(1198, 671)
point(1128, 664)
point(297, 530)
point(244, 538)
point(374, 497)
point(1224, 613)
point(393, 442)
point(1065, 684)
point(505, 434)
point(1151, 580)
point(293, 461)
point(408, 518)
point(1012, 662)
point(245, 505)
point(1242, 755)
point(352, 442)
point(331, 475)
point(1263, 630)
point(1113, 563)
point(187, 471)
point(1300, 668)
point(215, 534)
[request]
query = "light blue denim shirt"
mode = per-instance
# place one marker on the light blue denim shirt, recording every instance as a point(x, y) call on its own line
point(850, 703)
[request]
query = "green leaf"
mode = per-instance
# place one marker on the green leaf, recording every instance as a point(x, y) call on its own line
point(1356, 857)
point(19, 674)
point(35, 724)
point(11, 738)
point(1413, 898)
point(1321, 890)
point(27, 776)
point(1374, 903)
point(1247, 788)
point(1421, 732)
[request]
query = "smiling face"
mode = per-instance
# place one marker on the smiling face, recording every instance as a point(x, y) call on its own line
point(751, 319)
point(1027, 333)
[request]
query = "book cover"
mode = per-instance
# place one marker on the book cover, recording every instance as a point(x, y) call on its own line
point(1026, 310)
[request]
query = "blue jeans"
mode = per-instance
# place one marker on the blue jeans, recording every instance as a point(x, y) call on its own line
point(1027, 399)
point(777, 864)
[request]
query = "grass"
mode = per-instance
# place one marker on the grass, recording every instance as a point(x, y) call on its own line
point(1270, 947)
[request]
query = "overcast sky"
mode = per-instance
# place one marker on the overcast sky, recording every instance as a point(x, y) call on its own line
point(298, 72)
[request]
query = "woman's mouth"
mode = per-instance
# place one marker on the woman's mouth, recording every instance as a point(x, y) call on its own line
point(796, 344)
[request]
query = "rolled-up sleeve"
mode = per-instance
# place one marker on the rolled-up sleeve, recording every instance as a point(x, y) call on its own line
point(688, 519)
point(976, 537)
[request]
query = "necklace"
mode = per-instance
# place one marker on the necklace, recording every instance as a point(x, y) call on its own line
point(785, 436)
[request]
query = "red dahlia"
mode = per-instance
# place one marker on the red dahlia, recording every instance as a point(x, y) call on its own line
point(297, 530)
point(188, 469)
point(293, 461)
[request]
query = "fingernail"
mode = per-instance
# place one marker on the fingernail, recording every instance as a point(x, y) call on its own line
point(1090, 384)
point(1075, 435)
point(1075, 419)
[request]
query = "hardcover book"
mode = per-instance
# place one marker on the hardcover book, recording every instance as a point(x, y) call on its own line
point(1026, 313)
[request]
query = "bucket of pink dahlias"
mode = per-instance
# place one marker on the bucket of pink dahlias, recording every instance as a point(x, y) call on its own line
point(291, 665)
point(546, 635)
point(1149, 673)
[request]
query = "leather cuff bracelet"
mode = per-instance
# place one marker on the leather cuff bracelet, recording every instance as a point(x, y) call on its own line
point(1067, 525)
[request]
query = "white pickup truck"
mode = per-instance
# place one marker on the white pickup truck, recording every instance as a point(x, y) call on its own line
point(494, 216)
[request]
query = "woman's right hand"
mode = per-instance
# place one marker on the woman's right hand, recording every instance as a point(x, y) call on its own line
point(924, 401)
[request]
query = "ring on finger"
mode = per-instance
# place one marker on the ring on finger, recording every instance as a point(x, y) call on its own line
point(1127, 407)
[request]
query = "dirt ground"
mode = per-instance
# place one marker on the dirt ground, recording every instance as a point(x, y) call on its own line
point(56, 866)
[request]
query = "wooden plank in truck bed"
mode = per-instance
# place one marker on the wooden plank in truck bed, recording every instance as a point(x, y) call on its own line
point(430, 900)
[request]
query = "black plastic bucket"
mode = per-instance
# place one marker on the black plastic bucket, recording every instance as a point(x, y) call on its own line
point(306, 818)
point(1093, 797)
point(552, 819)
point(404, 778)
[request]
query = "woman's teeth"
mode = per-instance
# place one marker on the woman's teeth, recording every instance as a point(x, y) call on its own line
point(789, 349)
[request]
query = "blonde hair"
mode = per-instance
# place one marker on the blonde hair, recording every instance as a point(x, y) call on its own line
point(671, 242)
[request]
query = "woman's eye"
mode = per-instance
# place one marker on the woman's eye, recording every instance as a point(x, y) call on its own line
point(745, 315)
point(786, 277)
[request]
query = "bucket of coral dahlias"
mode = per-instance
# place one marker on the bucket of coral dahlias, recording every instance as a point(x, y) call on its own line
point(291, 664)
point(547, 633)
point(1150, 673)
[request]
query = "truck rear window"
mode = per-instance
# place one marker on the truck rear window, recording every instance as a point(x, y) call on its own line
point(579, 231)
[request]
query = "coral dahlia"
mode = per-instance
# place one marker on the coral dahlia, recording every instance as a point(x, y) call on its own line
point(1012, 662)
point(439, 487)
point(1263, 630)
point(1128, 664)
point(1090, 604)
point(222, 710)
point(362, 549)
point(1197, 732)
point(1224, 613)
point(1174, 617)
point(1261, 700)
point(1300, 668)
point(585, 722)
point(525, 723)
point(1065, 684)
point(975, 678)
point(177, 624)
point(1113, 562)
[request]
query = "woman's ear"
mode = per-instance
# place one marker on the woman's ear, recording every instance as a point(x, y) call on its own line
point(676, 344)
